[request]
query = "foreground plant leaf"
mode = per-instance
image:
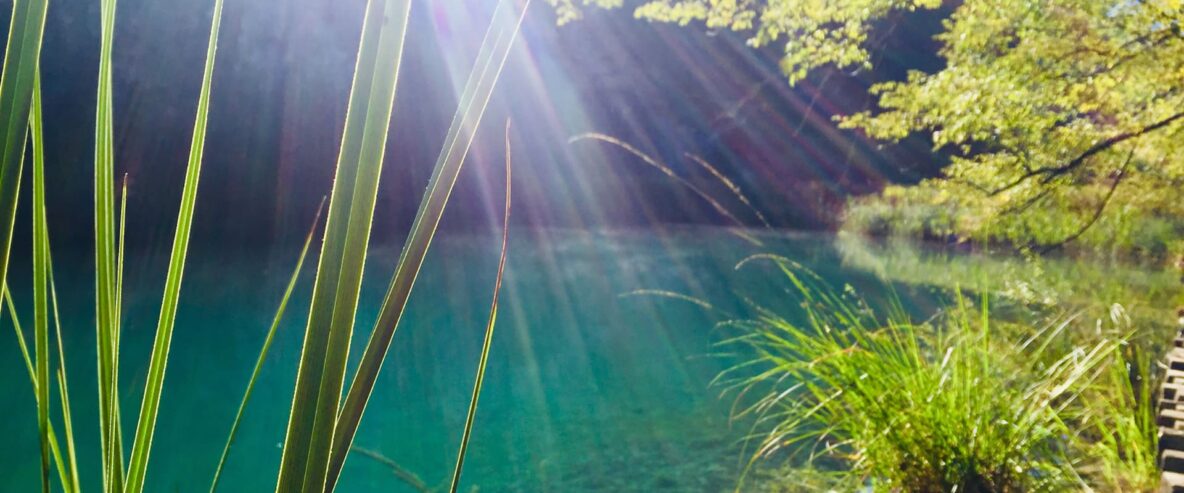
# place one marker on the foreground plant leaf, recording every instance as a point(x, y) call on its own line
point(275, 324)
point(43, 292)
point(347, 229)
point(497, 289)
point(29, 366)
point(64, 391)
point(18, 83)
point(137, 465)
point(16, 96)
point(106, 303)
point(40, 281)
point(492, 57)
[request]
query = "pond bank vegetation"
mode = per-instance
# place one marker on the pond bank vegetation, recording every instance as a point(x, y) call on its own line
point(850, 394)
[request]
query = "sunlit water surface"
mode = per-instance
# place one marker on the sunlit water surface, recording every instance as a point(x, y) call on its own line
point(592, 384)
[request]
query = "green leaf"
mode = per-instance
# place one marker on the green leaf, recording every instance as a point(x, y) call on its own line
point(494, 51)
point(16, 94)
point(106, 303)
point(275, 324)
point(64, 391)
point(18, 83)
point(497, 288)
point(339, 271)
point(40, 278)
point(20, 340)
point(137, 465)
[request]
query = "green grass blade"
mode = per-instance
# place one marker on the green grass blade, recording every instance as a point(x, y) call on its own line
point(20, 338)
point(18, 83)
point(275, 324)
point(17, 80)
point(116, 328)
point(40, 276)
point(106, 311)
point(69, 478)
point(373, 145)
point(339, 270)
point(497, 288)
point(29, 366)
point(490, 60)
point(138, 463)
point(64, 388)
point(118, 308)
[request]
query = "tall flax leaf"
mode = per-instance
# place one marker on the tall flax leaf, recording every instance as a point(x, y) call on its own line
point(497, 289)
point(64, 390)
point(42, 293)
point(106, 310)
point(40, 280)
point(118, 294)
point(490, 60)
point(138, 463)
point(16, 94)
point(117, 323)
point(17, 88)
point(275, 324)
point(347, 229)
point(29, 366)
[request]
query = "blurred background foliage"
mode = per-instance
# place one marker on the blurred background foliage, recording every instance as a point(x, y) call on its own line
point(1060, 119)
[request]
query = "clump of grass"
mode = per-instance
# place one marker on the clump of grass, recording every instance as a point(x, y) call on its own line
point(948, 404)
point(1121, 442)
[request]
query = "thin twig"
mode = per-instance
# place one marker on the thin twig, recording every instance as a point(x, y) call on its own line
point(1053, 172)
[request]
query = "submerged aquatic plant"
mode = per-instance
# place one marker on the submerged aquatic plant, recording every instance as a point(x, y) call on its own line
point(321, 428)
point(943, 405)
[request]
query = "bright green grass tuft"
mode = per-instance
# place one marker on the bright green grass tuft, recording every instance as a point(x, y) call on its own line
point(1121, 439)
point(945, 405)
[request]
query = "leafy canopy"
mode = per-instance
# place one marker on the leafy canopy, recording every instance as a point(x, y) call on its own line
point(1043, 104)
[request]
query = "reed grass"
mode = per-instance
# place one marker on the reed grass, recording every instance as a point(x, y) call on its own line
point(72, 483)
point(47, 433)
point(17, 80)
point(40, 281)
point(320, 430)
point(275, 324)
point(495, 48)
point(106, 295)
point(18, 83)
point(497, 289)
point(146, 425)
point(339, 272)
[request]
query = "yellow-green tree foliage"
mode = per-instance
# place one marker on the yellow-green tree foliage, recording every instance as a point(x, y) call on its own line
point(1076, 105)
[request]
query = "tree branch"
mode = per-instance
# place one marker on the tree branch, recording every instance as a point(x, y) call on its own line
point(1048, 174)
point(1098, 212)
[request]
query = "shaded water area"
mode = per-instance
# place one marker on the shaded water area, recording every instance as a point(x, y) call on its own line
point(596, 381)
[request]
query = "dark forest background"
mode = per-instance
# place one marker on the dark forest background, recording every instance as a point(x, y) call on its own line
point(281, 86)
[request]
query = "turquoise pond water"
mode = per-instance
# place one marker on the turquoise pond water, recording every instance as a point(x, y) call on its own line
point(591, 386)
